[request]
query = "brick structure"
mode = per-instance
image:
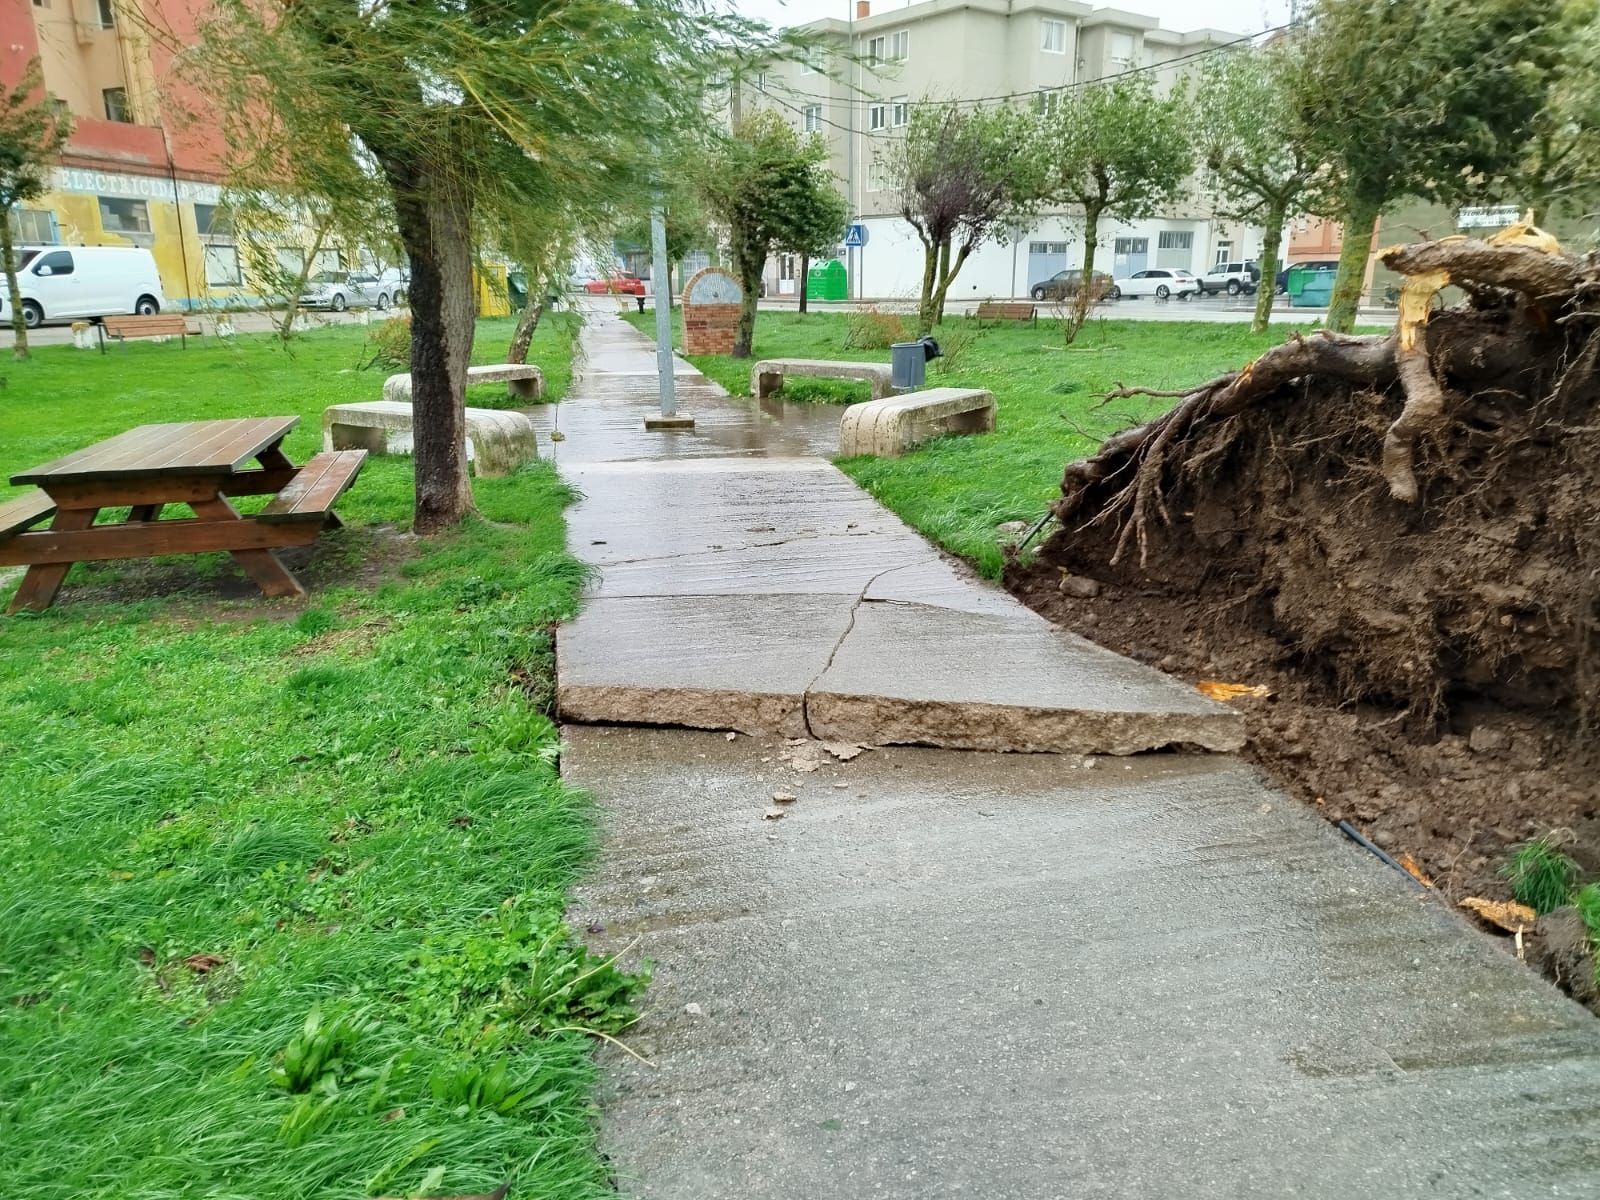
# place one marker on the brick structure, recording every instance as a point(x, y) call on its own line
point(710, 312)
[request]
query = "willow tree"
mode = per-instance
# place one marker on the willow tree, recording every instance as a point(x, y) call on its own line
point(32, 132)
point(465, 112)
point(1425, 98)
point(1254, 150)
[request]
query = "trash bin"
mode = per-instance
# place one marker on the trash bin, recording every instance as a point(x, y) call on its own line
point(827, 281)
point(908, 364)
point(1310, 288)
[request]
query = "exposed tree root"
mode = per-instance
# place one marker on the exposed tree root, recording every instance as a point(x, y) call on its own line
point(1416, 511)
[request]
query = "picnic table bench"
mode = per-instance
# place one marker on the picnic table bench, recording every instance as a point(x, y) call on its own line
point(1002, 310)
point(158, 325)
point(197, 463)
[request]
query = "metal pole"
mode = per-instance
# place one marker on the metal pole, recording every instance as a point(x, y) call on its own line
point(663, 296)
point(662, 289)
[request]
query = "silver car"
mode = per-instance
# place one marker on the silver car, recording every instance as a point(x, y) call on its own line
point(339, 290)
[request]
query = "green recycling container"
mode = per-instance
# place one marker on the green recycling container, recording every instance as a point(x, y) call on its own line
point(827, 281)
point(1309, 288)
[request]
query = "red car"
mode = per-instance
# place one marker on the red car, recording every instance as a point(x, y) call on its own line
point(616, 283)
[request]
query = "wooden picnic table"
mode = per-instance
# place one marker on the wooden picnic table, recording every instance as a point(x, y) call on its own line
point(198, 463)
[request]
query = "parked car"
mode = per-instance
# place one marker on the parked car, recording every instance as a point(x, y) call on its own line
point(616, 283)
point(339, 290)
point(1233, 278)
point(64, 283)
point(1065, 284)
point(1321, 264)
point(1160, 282)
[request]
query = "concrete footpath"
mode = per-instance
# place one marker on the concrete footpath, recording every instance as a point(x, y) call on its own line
point(899, 971)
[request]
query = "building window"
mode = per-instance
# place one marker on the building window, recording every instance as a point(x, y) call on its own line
point(807, 67)
point(1053, 36)
point(209, 220)
point(898, 111)
point(41, 3)
point(327, 260)
point(877, 116)
point(813, 118)
point(36, 225)
point(1224, 253)
point(1174, 239)
point(291, 262)
point(108, 18)
point(1048, 102)
point(222, 266)
point(1122, 49)
point(116, 100)
point(761, 81)
point(785, 268)
point(877, 176)
point(889, 47)
point(124, 216)
point(1047, 247)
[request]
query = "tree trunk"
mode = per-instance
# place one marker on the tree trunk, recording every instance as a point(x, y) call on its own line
point(1266, 289)
point(8, 262)
point(945, 276)
point(805, 263)
point(948, 276)
point(1091, 243)
point(527, 323)
point(748, 262)
point(434, 214)
point(1361, 215)
point(291, 299)
point(930, 275)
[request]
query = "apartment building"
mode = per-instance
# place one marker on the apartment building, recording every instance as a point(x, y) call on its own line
point(874, 67)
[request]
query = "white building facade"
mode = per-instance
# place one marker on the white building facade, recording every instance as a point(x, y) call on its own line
point(989, 51)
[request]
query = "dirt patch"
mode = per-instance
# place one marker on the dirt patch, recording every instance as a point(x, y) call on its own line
point(1396, 536)
point(362, 557)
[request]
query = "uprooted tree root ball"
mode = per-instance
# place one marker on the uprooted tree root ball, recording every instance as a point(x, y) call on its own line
point(1400, 535)
point(1417, 515)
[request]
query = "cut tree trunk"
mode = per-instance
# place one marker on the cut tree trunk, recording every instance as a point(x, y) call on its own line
point(8, 261)
point(435, 219)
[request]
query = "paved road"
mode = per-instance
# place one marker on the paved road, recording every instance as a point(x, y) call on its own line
point(913, 973)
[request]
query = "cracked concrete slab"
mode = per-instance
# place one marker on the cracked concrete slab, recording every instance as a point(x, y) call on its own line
point(1017, 978)
point(744, 583)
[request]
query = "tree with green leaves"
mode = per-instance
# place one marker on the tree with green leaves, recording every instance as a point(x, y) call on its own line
point(769, 187)
point(964, 176)
point(465, 113)
point(33, 129)
point(1114, 149)
point(687, 229)
point(1425, 98)
point(1559, 172)
point(1253, 149)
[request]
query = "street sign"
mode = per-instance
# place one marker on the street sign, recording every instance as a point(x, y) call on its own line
point(855, 235)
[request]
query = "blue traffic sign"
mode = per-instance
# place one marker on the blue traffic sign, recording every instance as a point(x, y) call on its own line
point(855, 235)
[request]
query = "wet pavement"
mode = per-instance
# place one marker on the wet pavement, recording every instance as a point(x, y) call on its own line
point(916, 973)
point(743, 582)
point(1019, 977)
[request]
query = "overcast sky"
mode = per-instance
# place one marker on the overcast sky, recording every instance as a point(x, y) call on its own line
point(1235, 16)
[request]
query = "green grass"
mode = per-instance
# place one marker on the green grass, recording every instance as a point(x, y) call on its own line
point(956, 490)
point(283, 883)
point(1541, 876)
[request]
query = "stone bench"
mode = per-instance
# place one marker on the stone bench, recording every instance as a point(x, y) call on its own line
point(523, 381)
point(889, 427)
point(767, 375)
point(498, 441)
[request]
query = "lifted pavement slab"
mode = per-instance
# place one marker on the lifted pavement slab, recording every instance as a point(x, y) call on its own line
point(1017, 978)
point(745, 583)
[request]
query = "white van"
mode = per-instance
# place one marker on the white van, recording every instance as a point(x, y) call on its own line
point(65, 283)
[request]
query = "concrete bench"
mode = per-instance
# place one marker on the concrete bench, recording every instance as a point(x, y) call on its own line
point(767, 375)
point(523, 381)
point(498, 441)
point(888, 428)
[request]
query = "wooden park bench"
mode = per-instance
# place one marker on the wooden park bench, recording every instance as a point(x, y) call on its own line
point(523, 381)
point(158, 325)
point(196, 463)
point(498, 440)
point(767, 375)
point(1004, 310)
point(888, 428)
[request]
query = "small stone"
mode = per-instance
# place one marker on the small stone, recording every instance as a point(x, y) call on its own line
point(843, 751)
point(773, 814)
point(732, 736)
point(841, 784)
point(693, 1010)
point(1168, 664)
point(784, 797)
point(557, 436)
point(1088, 764)
point(1487, 740)
point(1080, 586)
point(1011, 527)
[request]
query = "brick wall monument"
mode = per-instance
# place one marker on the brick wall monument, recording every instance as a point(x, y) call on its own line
point(710, 311)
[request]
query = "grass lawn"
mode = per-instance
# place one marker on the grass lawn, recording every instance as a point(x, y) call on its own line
point(956, 490)
point(283, 882)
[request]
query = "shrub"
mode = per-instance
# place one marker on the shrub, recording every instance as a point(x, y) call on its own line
point(389, 344)
point(953, 347)
point(1541, 875)
point(873, 329)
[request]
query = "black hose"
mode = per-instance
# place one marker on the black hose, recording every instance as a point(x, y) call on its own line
point(1355, 835)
